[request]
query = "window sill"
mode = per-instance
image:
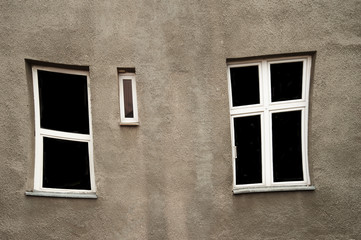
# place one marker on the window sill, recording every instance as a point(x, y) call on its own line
point(61, 194)
point(129, 123)
point(273, 189)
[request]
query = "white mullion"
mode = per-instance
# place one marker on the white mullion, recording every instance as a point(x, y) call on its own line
point(64, 135)
point(134, 99)
point(232, 126)
point(262, 96)
point(89, 108)
point(267, 158)
point(305, 122)
point(90, 142)
point(289, 60)
point(304, 77)
point(38, 166)
point(304, 146)
point(230, 100)
point(287, 104)
point(36, 100)
point(121, 96)
point(307, 79)
point(234, 153)
point(263, 148)
point(271, 149)
point(247, 110)
point(61, 70)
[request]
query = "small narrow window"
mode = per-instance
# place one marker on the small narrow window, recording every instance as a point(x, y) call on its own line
point(128, 97)
point(63, 133)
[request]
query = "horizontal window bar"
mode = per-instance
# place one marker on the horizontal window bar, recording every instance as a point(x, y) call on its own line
point(295, 105)
point(64, 135)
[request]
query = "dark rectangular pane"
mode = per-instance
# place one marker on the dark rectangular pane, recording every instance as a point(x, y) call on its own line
point(128, 98)
point(286, 81)
point(63, 102)
point(287, 148)
point(249, 155)
point(245, 85)
point(65, 164)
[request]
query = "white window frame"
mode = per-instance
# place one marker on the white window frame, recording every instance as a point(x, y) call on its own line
point(40, 133)
point(265, 109)
point(125, 120)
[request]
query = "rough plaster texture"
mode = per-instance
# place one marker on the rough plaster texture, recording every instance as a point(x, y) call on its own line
point(171, 177)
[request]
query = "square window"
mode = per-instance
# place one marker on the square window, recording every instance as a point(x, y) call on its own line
point(63, 133)
point(268, 110)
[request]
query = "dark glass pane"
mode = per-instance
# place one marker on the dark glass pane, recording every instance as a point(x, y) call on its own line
point(249, 156)
point(128, 98)
point(245, 85)
point(287, 149)
point(63, 102)
point(65, 164)
point(286, 81)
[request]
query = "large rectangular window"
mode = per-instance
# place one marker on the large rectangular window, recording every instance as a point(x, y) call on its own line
point(63, 133)
point(268, 110)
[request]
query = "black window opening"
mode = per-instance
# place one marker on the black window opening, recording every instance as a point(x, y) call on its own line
point(245, 85)
point(249, 149)
point(287, 146)
point(286, 81)
point(63, 102)
point(65, 164)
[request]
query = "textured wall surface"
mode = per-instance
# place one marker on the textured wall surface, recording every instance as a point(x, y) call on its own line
point(171, 177)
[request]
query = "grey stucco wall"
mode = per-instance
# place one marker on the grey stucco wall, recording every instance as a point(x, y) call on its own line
point(171, 177)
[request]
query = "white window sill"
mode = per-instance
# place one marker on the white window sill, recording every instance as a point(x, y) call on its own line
point(129, 123)
point(61, 194)
point(273, 189)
